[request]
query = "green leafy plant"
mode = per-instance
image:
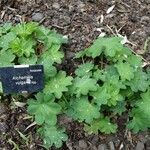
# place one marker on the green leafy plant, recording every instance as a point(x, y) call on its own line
point(30, 43)
point(104, 90)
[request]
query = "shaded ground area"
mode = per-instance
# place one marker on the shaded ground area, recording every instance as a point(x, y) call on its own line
point(82, 21)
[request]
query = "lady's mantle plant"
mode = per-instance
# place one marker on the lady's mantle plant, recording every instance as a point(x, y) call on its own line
point(29, 43)
point(111, 82)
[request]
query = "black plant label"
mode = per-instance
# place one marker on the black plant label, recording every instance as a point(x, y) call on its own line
point(22, 79)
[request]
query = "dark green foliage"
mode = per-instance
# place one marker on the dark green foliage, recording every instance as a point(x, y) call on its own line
point(112, 88)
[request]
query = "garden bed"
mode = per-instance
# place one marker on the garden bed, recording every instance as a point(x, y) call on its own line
point(82, 22)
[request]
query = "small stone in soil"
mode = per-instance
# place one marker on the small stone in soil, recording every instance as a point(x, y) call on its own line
point(147, 30)
point(3, 128)
point(70, 55)
point(147, 145)
point(139, 146)
point(93, 148)
point(147, 1)
point(3, 109)
point(64, 120)
point(95, 140)
point(117, 143)
point(37, 17)
point(102, 147)
point(143, 137)
point(69, 145)
point(145, 19)
point(24, 8)
point(111, 145)
point(56, 5)
point(83, 144)
point(67, 20)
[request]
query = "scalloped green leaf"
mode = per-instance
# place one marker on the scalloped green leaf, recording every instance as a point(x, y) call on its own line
point(52, 135)
point(103, 125)
point(25, 29)
point(109, 45)
point(119, 108)
point(53, 53)
point(6, 58)
point(83, 85)
point(32, 60)
point(49, 37)
point(44, 109)
point(83, 110)
point(22, 46)
point(135, 61)
point(58, 84)
point(139, 82)
point(125, 70)
point(100, 96)
point(6, 40)
point(140, 114)
point(84, 69)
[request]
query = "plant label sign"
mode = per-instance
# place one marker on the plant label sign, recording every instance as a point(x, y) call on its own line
point(22, 79)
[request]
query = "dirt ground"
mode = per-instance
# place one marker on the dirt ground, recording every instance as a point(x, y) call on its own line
point(81, 21)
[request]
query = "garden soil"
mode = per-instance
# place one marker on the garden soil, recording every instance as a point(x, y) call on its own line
point(81, 21)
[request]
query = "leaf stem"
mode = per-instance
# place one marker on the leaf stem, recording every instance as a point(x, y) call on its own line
point(83, 60)
point(65, 99)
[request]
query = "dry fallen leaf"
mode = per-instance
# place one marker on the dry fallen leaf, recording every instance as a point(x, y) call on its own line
point(110, 9)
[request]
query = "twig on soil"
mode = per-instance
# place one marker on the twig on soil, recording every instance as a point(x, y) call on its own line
point(125, 4)
point(82, 60)
point(12, 9)
point(121, 146)
point(20, 18)
point(57, 26)
point(69, 145)
point(128, 136)
point(31, 125)
point(41, 21)
point(3, 14)
point(23, 18)
point(120, 28)
point(15, 145)
point(111, 30)
point(102, 19)
point(110, 9)
point(46, 5)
